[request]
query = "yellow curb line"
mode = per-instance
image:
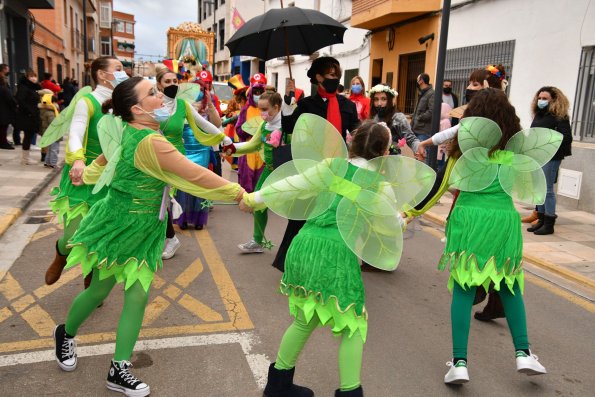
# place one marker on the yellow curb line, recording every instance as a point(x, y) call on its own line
point(534, 260)
point(8, 219)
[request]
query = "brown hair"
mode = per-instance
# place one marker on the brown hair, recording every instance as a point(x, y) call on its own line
point(322, 66)
point(98, 64)
point(161, 74)
point(481, 75)
point(30, 73)
point(370, 140)
point(274, 98)
point(123, 99)
point(361, 81)
point(558, 106)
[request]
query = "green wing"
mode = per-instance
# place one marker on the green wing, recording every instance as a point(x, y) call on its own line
point(109, 130)
point(252, 125)
point(316, 139)
point(541, 144)
point(526, 186)
point(372, 229)
point(405, 180)
point(188, 92)
point(301, 188)
point(61, 124)
point(478, 132)
point(473, 171)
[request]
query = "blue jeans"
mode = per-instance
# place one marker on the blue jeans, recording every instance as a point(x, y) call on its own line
point(550, 169)
point(423, 137)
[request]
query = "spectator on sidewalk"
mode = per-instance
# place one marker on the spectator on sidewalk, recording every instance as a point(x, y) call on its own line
point(450, 99)
point(27, 119)
point(358, 96)
point(48, 84)
point(8, 108)
point(421, 122)
point(68, 92)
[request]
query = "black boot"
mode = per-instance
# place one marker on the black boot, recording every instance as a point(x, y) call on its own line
point(493, 309)
point(548, 226)
point(359, 392)
point(280, 384)
point(540, 221)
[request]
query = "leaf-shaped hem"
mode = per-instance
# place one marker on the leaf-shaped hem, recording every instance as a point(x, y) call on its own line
point(329, 312)
point(130, 271)
point(465, 271)
point(61, 207)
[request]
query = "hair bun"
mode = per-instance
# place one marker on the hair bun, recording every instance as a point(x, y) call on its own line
point(107, 106)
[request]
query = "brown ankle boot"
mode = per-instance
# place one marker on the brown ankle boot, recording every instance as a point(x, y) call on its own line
point(88, 279)
point(55, 270)
point(493, 309)
point(530, 218)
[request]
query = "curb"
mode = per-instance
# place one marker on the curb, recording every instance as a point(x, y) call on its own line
point(534, 260)
point(14, 213)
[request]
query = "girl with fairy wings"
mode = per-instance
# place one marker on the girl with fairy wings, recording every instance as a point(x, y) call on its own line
point(351, 202)
point(72, 199)
point(121, 239)
point(484, 243)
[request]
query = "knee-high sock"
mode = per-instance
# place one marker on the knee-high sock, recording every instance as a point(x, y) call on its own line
point(294, 340)
point(69, 230)
point(87, 301)
point(515, 315)
point(350, 361)
point(460, 316)
point(260, 224)
point(131, 319)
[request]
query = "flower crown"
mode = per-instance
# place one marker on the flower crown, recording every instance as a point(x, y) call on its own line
point(493, 70)
point(382, 88)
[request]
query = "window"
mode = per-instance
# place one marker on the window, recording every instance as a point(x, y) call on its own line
point(583, 117)
point(105, 17)
point(120, 26)
point(215, 31)
point(199, 11)
point(129, 27)
point(222, 2)
point(40, 67)
point(65, 15)
point(106, 46)
point(221, 34)
point(349, 74)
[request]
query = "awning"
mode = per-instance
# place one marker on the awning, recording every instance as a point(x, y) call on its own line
point(37, 4)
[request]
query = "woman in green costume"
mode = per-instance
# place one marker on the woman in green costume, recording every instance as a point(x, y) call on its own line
point(73, 199)
point(121, 239)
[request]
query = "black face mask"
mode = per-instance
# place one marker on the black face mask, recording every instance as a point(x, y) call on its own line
point(447, 90)
point(170, 91)
point(469, 94)
point(330, 85)
point(380, 111)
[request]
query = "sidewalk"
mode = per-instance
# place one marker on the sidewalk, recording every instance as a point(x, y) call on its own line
point(569, 252)
point(20, 184)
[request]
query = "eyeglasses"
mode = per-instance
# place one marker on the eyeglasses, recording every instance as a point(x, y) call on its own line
point(170, 81)
point(153, 92)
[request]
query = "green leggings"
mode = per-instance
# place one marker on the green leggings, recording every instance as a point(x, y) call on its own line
point(260, 224)
point(131, 318)
point(350, 351)
point(460, 313)
point(69, 230)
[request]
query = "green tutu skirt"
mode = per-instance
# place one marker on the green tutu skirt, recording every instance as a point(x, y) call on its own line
point(323, 277)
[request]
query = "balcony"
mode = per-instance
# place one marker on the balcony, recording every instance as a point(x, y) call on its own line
point(38, 4)
point(372, 14)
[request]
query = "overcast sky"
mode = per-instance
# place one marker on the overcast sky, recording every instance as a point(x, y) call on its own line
point(153, 18)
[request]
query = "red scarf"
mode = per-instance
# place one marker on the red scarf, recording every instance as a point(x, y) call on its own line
point(333, 115)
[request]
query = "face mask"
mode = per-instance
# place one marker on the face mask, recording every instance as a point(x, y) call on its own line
point(447, 90)
point(356, 88)
point(542, 103)
point(200, 96)
point(256, 98)
point(159, 115)
point(265, 116)
point(469, 94)
point(170, 91)
point(119, 76)
point(380, 110)
point(330, 85)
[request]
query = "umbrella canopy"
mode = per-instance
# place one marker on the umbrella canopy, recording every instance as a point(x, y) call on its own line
point(286, 31)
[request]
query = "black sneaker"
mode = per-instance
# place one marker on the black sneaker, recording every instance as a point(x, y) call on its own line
point(121, 380)
point(65, 349)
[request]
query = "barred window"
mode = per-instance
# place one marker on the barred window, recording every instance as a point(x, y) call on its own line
point(583, 117)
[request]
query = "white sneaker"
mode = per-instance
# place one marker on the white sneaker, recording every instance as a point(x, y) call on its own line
point(251, 247)
point(170, 248)
point(529, 364)
point(35, 147)
point(457, 374)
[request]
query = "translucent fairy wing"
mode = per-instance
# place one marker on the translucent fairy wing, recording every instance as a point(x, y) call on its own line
point(188, 92)
point(316, 139)
point(523, 181)
point(540, 144)
point(372, 228)
point(252, 125)
point(109, 130)
point(478, 132)
point(406, 180)
point(60, 126)
point(473, 171)
point(302, 188)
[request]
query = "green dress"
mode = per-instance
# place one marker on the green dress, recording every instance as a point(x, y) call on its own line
point(173, 127)
point(71, 201)
point(322, 275)
point(477, 252)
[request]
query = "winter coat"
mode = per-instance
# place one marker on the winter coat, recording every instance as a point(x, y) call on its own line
point(562, 125)
point(8, 106)
point(421, 122)
point(28, 113)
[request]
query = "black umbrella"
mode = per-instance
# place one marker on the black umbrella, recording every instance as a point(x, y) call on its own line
point(284, 32)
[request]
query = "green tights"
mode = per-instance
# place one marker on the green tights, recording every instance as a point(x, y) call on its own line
point(69, 230)
point(460, 313)
point(131, 318)
point(260, 224)
point(350, 351)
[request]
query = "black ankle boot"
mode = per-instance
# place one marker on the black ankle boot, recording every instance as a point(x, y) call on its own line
point(359, 392)
point(280, 384)
point(548, 226)
point(540, 220)
point(494, 309)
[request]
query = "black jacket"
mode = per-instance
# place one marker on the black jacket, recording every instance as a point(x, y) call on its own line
point(421, 121)
point(8, 106)
point(28, 118)
point(316, 105)
point(548, 120)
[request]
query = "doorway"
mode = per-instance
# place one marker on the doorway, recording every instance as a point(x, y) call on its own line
point(410, 66)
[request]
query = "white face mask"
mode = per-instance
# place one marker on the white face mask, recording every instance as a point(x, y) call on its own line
point(119, 76)
point(159, 115)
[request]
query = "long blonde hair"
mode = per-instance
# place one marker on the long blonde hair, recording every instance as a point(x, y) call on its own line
point(558, 106)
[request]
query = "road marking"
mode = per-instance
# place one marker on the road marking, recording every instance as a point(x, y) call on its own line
point(39, 320)
point(10, 288)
